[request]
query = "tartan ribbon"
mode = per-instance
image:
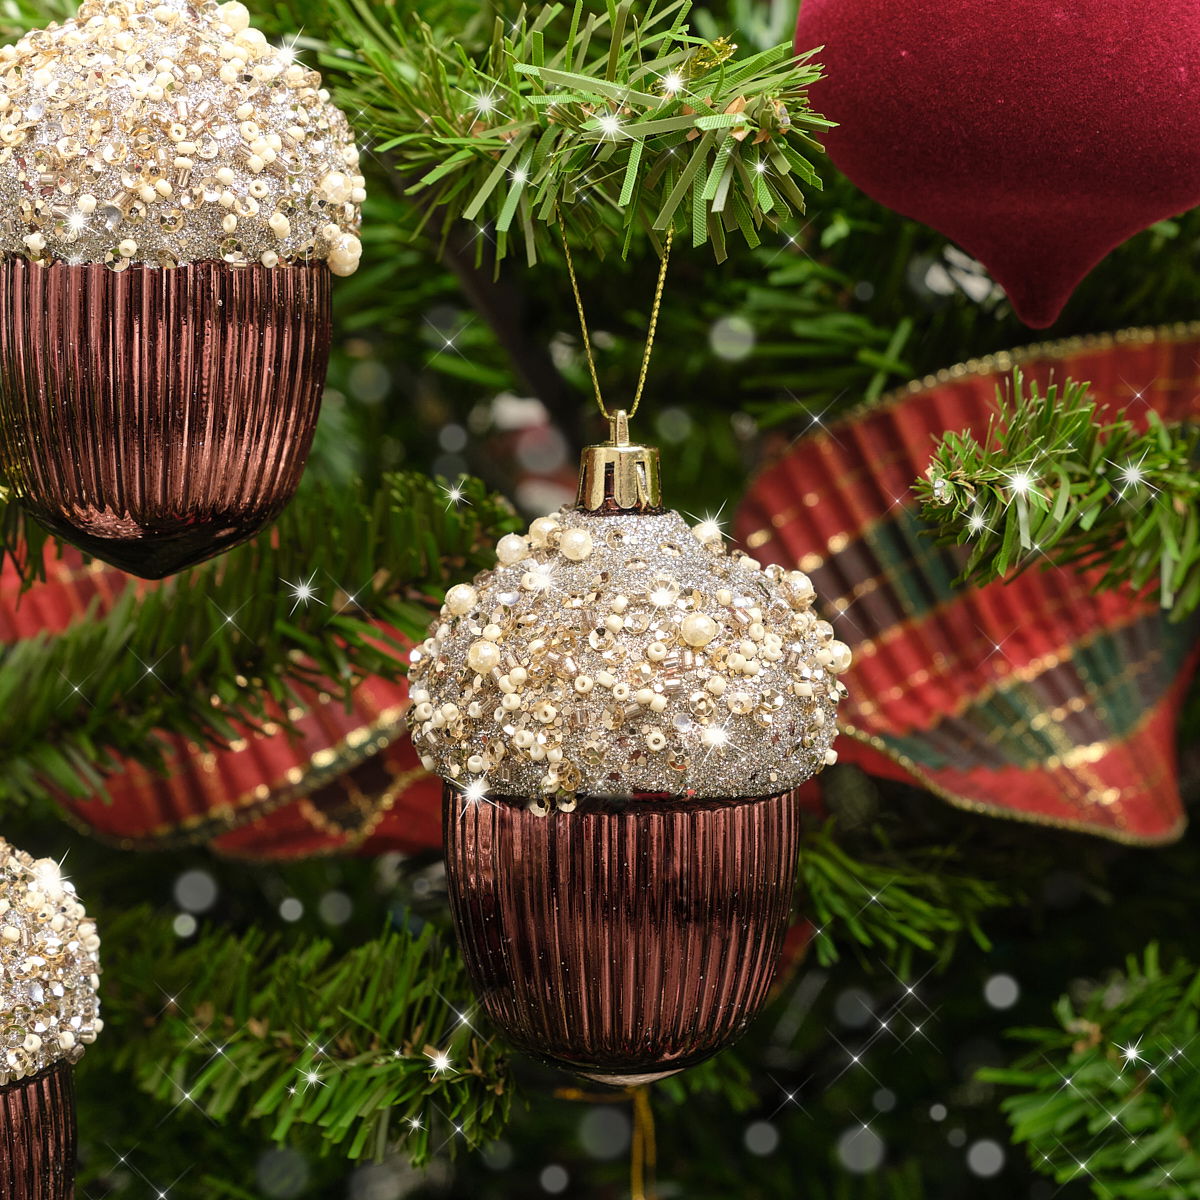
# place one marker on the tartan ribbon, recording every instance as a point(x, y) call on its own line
point(319, 778)
point(1038, 698)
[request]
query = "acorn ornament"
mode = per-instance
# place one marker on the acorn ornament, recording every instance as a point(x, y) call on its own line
point(620, 711)
point(49, 973)
point(175, 194)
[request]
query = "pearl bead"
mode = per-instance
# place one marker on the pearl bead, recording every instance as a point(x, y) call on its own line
point(575, 544)
point(698, 629)
point(235, 15)
point(541, 530)
point(512, 548)
point(483, 656)
point(841, 656)
point(461, 598)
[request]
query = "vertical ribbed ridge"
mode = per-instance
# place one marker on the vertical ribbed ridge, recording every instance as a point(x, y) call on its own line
point(157, 417)
point(37, 1136)
point(622, 940)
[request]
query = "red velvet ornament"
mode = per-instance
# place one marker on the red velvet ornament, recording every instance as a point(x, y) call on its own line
point(1037, 134)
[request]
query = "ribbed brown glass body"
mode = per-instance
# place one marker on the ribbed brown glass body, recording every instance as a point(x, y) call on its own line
point(626, 940)
point(156, 417)
point(37, 1136)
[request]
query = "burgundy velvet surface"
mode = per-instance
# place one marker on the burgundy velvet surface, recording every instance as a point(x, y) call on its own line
point(1037, 134)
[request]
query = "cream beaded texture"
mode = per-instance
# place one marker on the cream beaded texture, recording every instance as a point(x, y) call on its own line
point(626, 654)
point(166, 132)
point(49, 967)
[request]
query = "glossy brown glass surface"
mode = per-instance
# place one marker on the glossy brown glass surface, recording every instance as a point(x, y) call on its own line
point(623, 941)
point(37, 1136)
point(157, 417)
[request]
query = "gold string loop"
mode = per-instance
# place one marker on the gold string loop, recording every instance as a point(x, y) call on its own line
point(652, 329)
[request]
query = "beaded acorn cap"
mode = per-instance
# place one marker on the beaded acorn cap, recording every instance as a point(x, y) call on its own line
point(49, 967)
point(168, 132)
point(618, 651)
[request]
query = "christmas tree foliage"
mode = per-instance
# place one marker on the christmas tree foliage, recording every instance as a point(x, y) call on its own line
point(964, 1006)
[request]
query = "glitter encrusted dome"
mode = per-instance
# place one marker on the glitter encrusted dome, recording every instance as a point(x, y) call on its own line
point(622, 654)
point(167, 132)
point(49, 965)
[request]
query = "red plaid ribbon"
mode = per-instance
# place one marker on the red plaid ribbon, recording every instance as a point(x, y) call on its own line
point(1036, 699)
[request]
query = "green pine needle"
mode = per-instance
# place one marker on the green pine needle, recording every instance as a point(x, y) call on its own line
point(1110, 1095)
point(218, 644)
point(363, 1050)
point(1057, 483)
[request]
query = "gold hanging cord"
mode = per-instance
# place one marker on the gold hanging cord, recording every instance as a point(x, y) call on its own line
point(643, 1152)
point(583, 326)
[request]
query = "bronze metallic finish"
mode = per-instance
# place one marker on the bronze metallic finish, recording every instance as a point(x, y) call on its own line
point(626, 940)
point(37, 1136)
point(156, 417)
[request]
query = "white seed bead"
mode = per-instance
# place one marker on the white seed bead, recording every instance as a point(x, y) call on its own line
point(716, 685)
point(698, 629)
point(656, 740)
point(583, 684)
point(512, 548)
point(483, 656)
point(656, 652)
point(575, 544)
point(461, 598)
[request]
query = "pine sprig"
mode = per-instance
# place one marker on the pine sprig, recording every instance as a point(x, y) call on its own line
point(895, 904)
point(1111, 1094)
point(620, 121)
point(220, 643)
point(365, 1050)
point(1056, 483)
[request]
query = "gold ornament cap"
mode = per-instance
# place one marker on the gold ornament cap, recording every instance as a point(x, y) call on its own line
point(618, 476)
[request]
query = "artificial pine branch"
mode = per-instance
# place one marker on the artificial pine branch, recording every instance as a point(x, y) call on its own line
point(1111, 1095)
point(368, 1049)
point(620, 121)
point(222, 642)
point(891, 903)
point(1056, 482)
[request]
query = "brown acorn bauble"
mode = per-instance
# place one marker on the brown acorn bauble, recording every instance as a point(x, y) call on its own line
point(621, 711)
point(175, 193)
point(49, 965)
